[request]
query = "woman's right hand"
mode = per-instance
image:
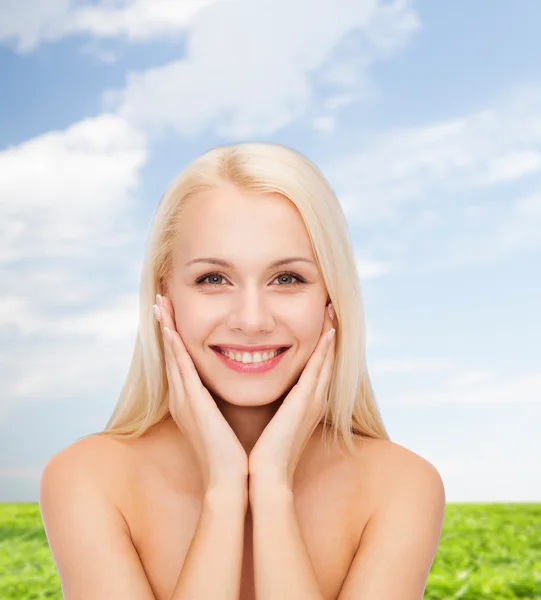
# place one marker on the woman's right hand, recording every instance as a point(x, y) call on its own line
point(222, 459)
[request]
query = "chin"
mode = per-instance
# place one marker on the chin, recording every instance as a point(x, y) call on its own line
point(254, 393)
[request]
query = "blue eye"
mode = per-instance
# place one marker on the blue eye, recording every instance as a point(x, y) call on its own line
point(201, 280)
point(293, 276)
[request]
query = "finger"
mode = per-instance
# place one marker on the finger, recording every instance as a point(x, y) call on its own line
point(183, 360)
point(309, 376)
point(322, 389)
point(174, 378)
point(324, 370)
point(177, 393)
point(325, 375)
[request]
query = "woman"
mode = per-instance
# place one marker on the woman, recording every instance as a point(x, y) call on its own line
point(215, 476)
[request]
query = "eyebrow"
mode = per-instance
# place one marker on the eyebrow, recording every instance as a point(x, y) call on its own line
point(226, 264)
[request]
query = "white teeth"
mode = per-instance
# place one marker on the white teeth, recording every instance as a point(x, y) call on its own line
point(250, 357)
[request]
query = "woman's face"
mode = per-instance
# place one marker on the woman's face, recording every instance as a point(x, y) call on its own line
point(249, 303)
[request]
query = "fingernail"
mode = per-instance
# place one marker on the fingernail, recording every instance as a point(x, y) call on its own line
point(156, 312)
point(330, 335)
point(158, 300)
point(331, 311)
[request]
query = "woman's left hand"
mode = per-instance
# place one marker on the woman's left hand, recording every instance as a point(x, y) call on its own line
point(275, 456)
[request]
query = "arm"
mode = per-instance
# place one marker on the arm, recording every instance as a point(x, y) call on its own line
point(400, 541)
point(282, 566)
point(213, 565)
point(92, 547)
point(89, 539)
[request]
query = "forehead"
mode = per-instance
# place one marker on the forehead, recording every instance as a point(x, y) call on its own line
point(227, 222)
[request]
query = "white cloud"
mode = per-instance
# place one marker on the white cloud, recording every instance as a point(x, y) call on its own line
point(64, 193)
point(405, 366)
point(392, 25)
point(136, 20)
point(514, 165)
point(95, 50)
point(324, 123)
point(254, 76)
point(71, 353)
point(67, 200)
point(27, 23)
point(215, 80)
point(341, 100)
point(421, 163)
point(488, 390)
point(449, 186)
point(34, 315)
point(115, 321)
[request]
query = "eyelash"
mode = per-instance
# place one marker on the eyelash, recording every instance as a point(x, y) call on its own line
point(300, 280)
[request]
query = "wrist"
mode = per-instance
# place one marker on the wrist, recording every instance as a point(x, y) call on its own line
point(268, 487)
point(231, 494)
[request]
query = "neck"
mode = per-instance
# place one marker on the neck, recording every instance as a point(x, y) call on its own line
point(248, 422)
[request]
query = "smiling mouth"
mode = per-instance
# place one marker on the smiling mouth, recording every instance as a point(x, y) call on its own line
point(221, 351)
point(251, 367)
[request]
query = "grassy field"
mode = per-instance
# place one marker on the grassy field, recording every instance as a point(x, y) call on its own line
point(486, 551)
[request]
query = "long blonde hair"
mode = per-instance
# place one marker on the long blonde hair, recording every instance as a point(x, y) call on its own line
point(265, 168)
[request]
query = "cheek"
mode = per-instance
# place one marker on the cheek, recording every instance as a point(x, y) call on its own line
point(307, 331)
point(308, 322)
point(192, 323)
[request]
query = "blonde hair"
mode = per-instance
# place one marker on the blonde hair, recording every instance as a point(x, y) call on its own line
point(266, 168)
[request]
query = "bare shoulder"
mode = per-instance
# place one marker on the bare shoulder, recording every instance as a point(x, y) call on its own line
point(391, 467)
point(99, 453)
point(87, 533)
point(399, 540)
point(100, 461)
point(390, 455)
point(122, 469)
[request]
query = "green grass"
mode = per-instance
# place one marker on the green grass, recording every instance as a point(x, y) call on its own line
point(486, 551)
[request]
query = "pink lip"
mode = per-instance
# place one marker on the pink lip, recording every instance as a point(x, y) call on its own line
point(250, 367)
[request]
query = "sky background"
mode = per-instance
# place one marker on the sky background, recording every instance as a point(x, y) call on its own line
point(424, 116)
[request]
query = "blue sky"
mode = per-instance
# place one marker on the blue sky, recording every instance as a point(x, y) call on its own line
point(426, 119)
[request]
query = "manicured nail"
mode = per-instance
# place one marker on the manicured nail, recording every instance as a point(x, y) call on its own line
point(158, 300)
point(330, 335)
point(156, 312)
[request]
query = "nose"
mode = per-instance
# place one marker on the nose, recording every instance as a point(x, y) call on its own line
point(250, 313)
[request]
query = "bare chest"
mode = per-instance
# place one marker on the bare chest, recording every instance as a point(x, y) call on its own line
point(332, 508)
